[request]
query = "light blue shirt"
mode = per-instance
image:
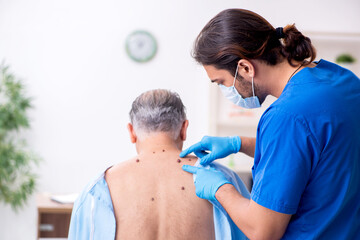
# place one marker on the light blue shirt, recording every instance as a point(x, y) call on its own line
point(307, 157)
point(93, 213)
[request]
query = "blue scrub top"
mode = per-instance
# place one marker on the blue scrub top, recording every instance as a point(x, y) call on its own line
point(307, 157)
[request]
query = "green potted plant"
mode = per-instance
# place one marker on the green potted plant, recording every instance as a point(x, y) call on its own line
point(345, 60)
point(17, 179)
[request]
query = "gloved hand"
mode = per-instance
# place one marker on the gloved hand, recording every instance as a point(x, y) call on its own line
point(220, 147)
point(207, 181)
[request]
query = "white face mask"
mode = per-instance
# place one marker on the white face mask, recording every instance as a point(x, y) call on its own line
point(233, 95)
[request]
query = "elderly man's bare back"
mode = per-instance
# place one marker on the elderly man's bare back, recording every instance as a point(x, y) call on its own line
point(154, 199)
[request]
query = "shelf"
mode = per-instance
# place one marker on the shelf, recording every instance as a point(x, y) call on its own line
point(333, 36)
point(330, 45)
point(239, 123)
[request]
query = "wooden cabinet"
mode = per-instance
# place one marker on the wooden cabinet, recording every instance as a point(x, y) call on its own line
point(53, 218)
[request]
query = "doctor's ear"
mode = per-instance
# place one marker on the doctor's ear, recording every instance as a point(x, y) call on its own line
point(246, 68)
point(132, 134)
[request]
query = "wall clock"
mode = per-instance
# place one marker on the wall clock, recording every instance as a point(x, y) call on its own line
point(141, 46)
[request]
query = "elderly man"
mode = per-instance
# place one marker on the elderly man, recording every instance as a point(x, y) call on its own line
point(149, 196)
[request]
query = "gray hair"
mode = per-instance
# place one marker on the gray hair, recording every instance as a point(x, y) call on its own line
point(157, 110)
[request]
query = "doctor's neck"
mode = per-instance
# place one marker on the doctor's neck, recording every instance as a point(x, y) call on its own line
point(274, 78)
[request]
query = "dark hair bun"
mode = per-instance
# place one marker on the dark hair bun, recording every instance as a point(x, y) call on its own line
point(297, 47)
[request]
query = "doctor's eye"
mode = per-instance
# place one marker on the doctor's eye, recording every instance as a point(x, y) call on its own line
point(220, 83)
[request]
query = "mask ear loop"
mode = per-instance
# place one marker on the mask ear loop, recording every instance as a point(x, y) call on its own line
point(237, 68)
point(253, 89)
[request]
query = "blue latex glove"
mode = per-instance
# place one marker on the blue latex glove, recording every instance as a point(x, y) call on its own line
point(220, 147)
point(207, 181)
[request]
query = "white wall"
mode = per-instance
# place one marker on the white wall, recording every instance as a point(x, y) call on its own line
point(71, 56)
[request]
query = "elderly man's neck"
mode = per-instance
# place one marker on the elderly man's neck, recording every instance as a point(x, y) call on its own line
point(158, 142)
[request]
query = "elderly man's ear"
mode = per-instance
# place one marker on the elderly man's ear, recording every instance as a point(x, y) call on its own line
point(132, 134)
point(184, 130)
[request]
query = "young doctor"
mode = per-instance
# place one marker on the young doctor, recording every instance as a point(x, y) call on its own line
point(306, 169)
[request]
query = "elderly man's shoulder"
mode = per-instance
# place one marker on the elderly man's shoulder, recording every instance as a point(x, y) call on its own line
point(121, 170)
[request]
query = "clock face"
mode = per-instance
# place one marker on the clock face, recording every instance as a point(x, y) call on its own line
point(141, 46)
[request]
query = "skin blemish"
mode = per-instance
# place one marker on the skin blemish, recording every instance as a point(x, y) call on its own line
point(163, 150)
point(137, 160)
point(152, 199)
point(190, 160)
point(179, 161)
point(153, 152)
point(182, 188)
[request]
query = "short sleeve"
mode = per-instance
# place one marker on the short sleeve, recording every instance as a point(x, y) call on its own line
point(80, 224)
point(93, 215)
point(285, 150)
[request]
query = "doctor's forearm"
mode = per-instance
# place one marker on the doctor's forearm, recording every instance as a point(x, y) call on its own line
point(250, 217)
point(236, 206)
point(248, 146)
